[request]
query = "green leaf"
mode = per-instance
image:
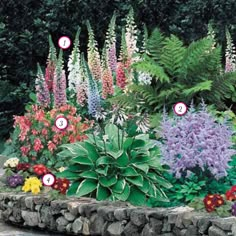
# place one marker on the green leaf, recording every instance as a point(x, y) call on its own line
point(136, 197)
point(107, 181)
point(137, 180)
point(163, 182)
point(92, 151)
point(115, 155)
point(123, 160)
point(68, 174)
point(127, 143)
point(89, 175)
point(137, 143)
point(102, 193)
point(105, 160)
point(140, 159)
point(85, 187)
point(33, 97)
point(124, 195)
point(82, 160)
point(78, 168)
point(76, 149)
point(145, 187)
point(73, 188)
point(130, 171)
point(119, 186)
point(102, 171)
point(143, 167)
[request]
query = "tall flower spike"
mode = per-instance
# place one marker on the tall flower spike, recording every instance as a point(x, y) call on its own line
point(42, 92)
point(93, 94)
point(59, 83)
point(211, 35)
point(82, 89)
point(230, 55)
point(93, 54)
point(51, 64)
point(74, 76)
point(111, 44)
point(107, 80)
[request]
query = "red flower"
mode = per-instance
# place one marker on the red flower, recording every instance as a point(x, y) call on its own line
point(37, 145)
point(61, 185)
point(51, 146)
point(231, 194)
point(25, 150)
point(23, 166)
point(212, 201)
point(40, 169)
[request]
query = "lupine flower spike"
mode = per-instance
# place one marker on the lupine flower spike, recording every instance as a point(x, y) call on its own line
point(74, 76)
point(111, 44)
point(51, 65)
point(42, 92)
point(107, 80)
point(230, 55)
point(93, 94)
point(93, 54)
point(59, 83)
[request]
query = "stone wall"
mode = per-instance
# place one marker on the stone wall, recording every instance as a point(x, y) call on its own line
point(86, 216)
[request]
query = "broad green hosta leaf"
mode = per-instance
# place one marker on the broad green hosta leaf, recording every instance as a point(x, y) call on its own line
point(85, 187)
point(138, 143)
point(102, 193)
point(137, 180)
point(127, 143)
point(79, 168)
point(82, 161)
point(144, 167)
point(119, 186)
point(140, 159)
point(115, 154)
point(130, 171)
point(152, 190)
point(136, 197)
point(107, 181)
point(89, 175)
point(102, 171)
point(92, 152)
point(124, 195)
point(105, 160)
point(123, 160)
point(145, 187)
point(73, 188)
point(76, 149)
point(68, 174)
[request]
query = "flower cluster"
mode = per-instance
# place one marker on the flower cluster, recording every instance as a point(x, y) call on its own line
point(230, 54)
point(231, 194)
point(12, 162)
point(32, 184)
point(40, 169)
point(61, 185)
point(233, 209)
point(196, 140)
point(23, 166)
point(212, 201)
point(15, 180)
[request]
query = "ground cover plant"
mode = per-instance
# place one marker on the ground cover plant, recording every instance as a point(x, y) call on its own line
point(119, 144)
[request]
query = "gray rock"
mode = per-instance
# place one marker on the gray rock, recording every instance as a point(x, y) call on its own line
point(186, 219)
point(87, 209)
point(96, 224)
point(69, 216)
point(69, 227)
point(73, 207)
point(183, 232)
point(225, 223)
point(172, 217)
point(192, 230)
point(204, 224)
point(30, 218)
point(215, 231)
point(157, 213)
point(166, 227)
point(29, 203)
point(115, 229)
point(121, 214)
point(148, 231)
point(62, 221)
point(138, 217)
point(156, 225)
point(86, 230)
point(106, 212)
point(131, 229)
point(77, 226)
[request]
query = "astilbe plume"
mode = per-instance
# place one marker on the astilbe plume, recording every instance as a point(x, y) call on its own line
point(59, 84)
point(230, 55)
point(82, 88)
point(93, 54)
point(111, 44)
point(42, 92)
point(196, 140)
point(93, 94)
point(74, 76)
point(51, 65)
point(107, 79)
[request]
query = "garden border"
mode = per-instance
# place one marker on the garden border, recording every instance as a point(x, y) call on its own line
point(86, 216)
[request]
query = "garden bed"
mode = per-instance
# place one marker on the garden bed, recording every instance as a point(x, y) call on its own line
point(86, 216)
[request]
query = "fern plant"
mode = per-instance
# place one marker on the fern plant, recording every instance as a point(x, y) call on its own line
point(180, 72)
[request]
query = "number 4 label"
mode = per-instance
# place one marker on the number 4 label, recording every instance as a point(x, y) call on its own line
point(180, 108)
point(48, 179)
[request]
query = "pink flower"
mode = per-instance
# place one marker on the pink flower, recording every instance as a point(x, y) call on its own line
point(37, 145)
point(51, 146)
point(39, 115)
point(107, 83)
point(34, 132)
point(25, 150)
point(44, 132)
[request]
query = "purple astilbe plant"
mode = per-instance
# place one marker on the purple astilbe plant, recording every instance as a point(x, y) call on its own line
point(15, 180)
point(42, 91)
point(196, 141)
point(59, 84)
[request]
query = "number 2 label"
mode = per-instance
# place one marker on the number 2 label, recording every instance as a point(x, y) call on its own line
point(180, 108)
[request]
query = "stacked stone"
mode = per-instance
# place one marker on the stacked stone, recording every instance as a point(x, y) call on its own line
point(86, 216)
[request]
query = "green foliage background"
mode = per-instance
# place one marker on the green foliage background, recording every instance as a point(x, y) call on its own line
point(25, 25)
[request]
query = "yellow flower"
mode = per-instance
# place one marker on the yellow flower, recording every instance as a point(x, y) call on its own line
point(35, 189)
point(32, 184)
point(26, 188)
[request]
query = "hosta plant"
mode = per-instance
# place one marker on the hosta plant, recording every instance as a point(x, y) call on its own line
point(114, 166)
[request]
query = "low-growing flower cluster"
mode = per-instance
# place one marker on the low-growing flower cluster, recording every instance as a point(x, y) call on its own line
point(212, 201)
point(12, 162)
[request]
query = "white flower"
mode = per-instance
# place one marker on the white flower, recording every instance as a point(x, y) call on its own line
point(12, 162)
point(144, 78)
point(61, 169)
point(105, 137)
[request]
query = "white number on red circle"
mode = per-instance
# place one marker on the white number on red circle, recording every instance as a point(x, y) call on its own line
point(64, 42)
point(48, 180)
point(61, 123)
point(180, 108)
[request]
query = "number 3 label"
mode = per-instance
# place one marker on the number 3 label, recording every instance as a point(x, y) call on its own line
point(61, 123)
point(64, 42)
point(180, 108)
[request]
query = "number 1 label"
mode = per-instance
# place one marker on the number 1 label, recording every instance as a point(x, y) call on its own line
point(64, 42)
